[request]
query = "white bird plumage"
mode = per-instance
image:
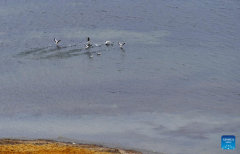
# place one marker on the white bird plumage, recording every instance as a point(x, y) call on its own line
point(88, 43)
point(56, 41)
point(87, 46)
point(121, 44)
point(108, 43)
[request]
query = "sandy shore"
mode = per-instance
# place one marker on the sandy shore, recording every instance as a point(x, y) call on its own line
point(8, 146)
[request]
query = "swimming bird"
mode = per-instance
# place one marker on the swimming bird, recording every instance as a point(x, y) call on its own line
point(121, 44)
point(99, 53)
point(91, 56)
point(108, 43)
point(56, 41)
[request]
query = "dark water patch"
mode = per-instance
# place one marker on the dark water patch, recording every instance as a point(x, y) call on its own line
point(198, 130)
point(30, 52)
point(60, 52)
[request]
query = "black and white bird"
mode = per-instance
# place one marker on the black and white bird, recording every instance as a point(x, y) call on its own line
point(56, 41)
point(87, 46)
point(88, 43)
point(108, 43)
point(88, 40)
point(121, 44)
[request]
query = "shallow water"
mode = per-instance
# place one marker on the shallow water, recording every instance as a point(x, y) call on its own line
point(173, 88)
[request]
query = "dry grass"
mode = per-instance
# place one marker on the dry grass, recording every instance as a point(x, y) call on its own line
point(8, 146)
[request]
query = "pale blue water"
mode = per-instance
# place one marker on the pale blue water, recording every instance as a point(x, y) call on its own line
point(173, 88)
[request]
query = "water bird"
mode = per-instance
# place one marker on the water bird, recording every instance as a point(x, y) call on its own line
point(99, 53)
point(87, 46)
point(88, 43)
point(121, 44)
point(108, 43)
point(88, 40)
point(56, 41)
point(91, 56)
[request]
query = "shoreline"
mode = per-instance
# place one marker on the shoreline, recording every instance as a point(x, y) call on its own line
point(21, 146)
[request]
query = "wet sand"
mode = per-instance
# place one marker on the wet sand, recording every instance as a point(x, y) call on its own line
point(50, 146)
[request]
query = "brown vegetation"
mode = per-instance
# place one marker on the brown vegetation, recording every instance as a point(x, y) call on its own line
point(8, 146)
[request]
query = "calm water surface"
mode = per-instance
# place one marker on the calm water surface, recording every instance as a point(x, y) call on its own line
point(173, 88)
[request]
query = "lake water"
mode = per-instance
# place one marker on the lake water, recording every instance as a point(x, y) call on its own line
point(174, 88)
